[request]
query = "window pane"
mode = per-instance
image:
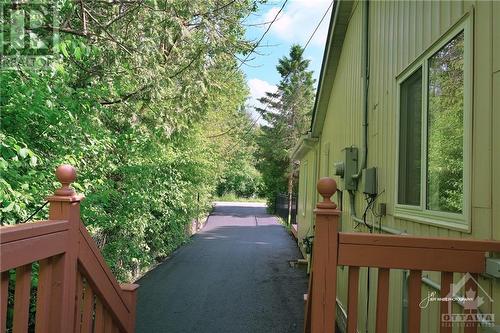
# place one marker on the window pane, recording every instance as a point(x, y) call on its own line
point(410, 128)
point(445, 128)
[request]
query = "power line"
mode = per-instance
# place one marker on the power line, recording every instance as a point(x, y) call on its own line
point(286, 77)
point(242, 62)
point(36, 211)
point(231, 129)
point(317, 26)
point(264, 34)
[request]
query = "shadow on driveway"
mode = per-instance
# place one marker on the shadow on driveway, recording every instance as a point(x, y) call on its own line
point(234, 276)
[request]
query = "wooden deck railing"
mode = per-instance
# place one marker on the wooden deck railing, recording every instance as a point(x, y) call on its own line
point(332, 248)
point(76, 290)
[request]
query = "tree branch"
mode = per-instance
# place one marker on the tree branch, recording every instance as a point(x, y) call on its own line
point(215, 10)
point(125, 97)
point(66, 30)
point(107, 32)
point(125, 13)
point(186, 66)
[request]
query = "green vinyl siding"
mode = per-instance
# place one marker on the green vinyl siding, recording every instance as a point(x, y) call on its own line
point(400, 34)
point(306, 196)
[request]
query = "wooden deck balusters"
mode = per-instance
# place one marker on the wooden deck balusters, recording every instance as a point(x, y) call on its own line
point(76, 290)
point(332, 248)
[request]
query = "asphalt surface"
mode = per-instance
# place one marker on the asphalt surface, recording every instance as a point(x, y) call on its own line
point(234, 276)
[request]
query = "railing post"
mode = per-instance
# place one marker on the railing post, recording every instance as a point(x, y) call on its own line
point(65, 205)
point(130, 293)
point(324, 262)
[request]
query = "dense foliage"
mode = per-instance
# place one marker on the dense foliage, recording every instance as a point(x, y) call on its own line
point(241, 179)
point(445, 150)
point(136, 98)
point(287, 113)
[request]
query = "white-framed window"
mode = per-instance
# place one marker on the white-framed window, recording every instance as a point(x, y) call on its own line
point(434, 133)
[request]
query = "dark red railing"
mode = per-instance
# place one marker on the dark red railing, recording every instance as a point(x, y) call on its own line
point(333, 248)
point(76, 290)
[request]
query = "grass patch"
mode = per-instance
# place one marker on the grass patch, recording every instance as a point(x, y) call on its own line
point(235, 198)
point(281, 221)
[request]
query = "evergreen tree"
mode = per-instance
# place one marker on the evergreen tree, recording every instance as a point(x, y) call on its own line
point(287, 113)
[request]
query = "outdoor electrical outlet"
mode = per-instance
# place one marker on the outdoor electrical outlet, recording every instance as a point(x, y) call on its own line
point(350, 168)
point(382, 209)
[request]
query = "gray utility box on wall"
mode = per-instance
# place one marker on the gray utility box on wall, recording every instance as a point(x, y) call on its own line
point(350, 168)
point(369, 179)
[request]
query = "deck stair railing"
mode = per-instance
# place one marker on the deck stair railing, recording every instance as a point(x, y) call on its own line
point(333, 248)
point(76, 290)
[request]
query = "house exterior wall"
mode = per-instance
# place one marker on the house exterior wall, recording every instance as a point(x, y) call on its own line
point(307, 196)
point(400, 32)
point(495, 125)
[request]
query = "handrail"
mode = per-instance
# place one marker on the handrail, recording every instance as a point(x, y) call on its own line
point(102, 280)
point(88, 250)
point(410, 256)
point(332, 248)
point(76, 290)
point(15, 253)
point(29, 230)
point(419, 242)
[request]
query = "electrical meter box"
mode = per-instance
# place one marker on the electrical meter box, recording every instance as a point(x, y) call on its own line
point(350, 167)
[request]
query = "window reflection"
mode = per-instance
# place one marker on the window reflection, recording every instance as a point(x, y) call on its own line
point(410, 127)
point(445, 127)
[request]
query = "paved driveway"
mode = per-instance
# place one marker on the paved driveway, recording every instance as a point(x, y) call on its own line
point(234, 276)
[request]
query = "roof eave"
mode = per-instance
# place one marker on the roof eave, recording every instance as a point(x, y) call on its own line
point(305, 144)
point(336, 34)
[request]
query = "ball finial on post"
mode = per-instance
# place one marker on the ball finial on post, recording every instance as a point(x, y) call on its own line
point(327, 187)
point(66, 174)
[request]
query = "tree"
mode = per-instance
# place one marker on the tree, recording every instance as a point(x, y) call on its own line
point(131, 98)
point(287, 113)
point(445, 147)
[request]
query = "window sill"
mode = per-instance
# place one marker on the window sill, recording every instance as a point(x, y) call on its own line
point(444, 220)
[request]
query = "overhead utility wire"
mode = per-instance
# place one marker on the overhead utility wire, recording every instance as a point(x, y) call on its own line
point(317, 26)
point(264, 34)
point(305, 46)
point(248, 56)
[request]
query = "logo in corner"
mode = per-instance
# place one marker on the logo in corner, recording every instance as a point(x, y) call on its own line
point(470, 301)
point(28, 32)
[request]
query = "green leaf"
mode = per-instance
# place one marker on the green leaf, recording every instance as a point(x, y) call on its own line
point(9, 208)
point(33, 160)
point(63, 49)
point(77, 53)
point(23, 152)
